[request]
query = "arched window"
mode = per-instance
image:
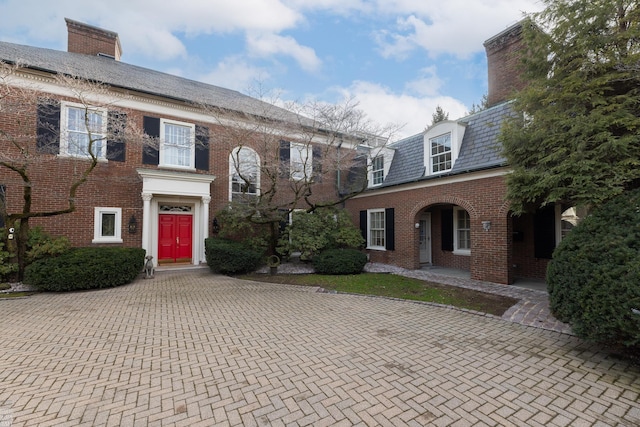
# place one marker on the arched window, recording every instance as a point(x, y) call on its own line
point(244, 172)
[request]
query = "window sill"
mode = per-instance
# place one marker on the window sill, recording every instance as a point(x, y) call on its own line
point(464, 252)
point(87, 158)
point(113, 240)
point(180, 168)
point(376, 248)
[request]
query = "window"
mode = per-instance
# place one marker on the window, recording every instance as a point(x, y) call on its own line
point(377, 170)
point(462, 231)
point(440, 149)
point(300, 162)
point(566, 217)
point(244, 167)
point(177, 141)
point(376, 232)
point(107, 225)
point(83, 131)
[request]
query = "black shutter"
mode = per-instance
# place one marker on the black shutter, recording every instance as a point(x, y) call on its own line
point(446, 222)
point(202, 148)
point(389, 229)
point(363, 226)
point(48, 126)
point(317, 164)
point(285, 159)
point(3, 207)
point(544, 232)
point(116, 123)
point(150, 153)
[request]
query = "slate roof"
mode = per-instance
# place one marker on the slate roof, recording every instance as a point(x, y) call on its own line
point(127, 76)
point(479, 149)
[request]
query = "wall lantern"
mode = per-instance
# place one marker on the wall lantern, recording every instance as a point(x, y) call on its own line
point(486, 225)
point(216, 226)
point(417, 225)
point(133, 225)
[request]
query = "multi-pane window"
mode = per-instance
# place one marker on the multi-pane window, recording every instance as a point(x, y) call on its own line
point(83, 131)
point(376, 228)
point(462, 223)
point(245, 171)
point(300, 162)
point(177, 144)
point(440, 153)
point(107, 225)
point(377, 170)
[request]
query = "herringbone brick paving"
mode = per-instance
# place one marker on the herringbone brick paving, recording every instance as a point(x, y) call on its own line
point(196, 349)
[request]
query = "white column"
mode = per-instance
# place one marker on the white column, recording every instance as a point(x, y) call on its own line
point(146, 222)
point(205, 227)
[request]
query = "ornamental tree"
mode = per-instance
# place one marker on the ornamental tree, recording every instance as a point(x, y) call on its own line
point(574, 135)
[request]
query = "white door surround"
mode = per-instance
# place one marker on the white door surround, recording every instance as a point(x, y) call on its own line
point(162, 187)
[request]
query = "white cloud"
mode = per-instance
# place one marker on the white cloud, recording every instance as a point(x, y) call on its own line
point(266, 45)
point(235, 73)
point(456, 27)
point(383, 106)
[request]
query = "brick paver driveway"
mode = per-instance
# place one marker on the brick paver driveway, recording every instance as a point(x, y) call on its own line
point(197, 349)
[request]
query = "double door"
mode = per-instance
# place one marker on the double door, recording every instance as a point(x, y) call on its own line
point(175, 238)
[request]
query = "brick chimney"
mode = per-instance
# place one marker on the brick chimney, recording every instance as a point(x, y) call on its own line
point(89, 40)
point(503, 64)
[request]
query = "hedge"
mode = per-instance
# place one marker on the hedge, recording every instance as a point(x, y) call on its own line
point(339, 261)
point(231, 257)
point(86, 268)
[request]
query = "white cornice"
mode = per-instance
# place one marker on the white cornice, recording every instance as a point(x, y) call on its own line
point(437, 181)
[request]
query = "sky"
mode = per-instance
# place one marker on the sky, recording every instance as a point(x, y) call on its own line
point(398, 59)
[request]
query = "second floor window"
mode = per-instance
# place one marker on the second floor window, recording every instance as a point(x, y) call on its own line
point(177, 144)
point(83, 131)
point(440, 153)
point(244, 169)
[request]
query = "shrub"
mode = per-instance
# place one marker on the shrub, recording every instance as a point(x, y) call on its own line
point(39, 245)
point(594, 276)
point(313, 232)
point(230, 257)
point(86, 268)
point(340, 261)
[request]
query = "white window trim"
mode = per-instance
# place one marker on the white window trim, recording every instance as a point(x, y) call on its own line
point(97, 225)
point(192, 145)
point(64, 131)
point(306, 158)
point(369, 245)
point(373, 171)
point(232, 170)
point(456, 130)
point(456, 243)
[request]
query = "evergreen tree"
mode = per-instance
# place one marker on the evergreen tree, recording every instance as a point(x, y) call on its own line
point(439, 116)
point(575, 135)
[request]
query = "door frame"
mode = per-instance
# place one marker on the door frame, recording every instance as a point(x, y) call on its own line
point(425, 256)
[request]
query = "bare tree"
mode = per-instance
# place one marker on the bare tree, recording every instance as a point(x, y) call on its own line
point(303, 156)
point(28, 144)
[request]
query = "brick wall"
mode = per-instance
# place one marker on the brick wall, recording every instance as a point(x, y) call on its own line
point(113, 184)
point(484, 201)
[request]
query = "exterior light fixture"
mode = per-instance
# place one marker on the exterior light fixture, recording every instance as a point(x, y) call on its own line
point(133, 225)
point(417, 225)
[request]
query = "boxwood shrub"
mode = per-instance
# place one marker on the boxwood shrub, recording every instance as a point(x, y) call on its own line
point(594, 276)
point(86, 268)
point(339, 261)
point(231, 257)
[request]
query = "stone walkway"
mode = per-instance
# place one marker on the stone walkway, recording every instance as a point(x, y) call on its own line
point(195, 349)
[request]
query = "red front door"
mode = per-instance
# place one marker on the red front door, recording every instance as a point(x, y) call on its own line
point(174, 238)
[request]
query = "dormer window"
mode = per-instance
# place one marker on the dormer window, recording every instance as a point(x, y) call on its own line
point(442, 143)
point(440, 158)
point(377, 170)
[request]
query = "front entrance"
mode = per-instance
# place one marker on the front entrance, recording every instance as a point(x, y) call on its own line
point(425, 238)
point(175, 238)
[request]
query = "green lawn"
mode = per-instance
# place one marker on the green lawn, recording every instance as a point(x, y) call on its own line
point(391, 285)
